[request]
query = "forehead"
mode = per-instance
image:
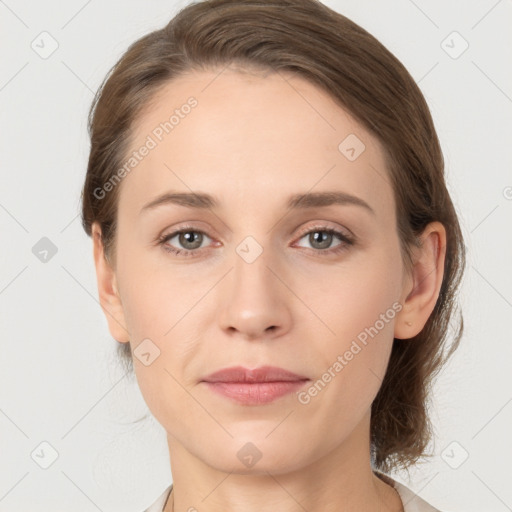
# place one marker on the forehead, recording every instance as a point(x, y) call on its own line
point(249, 138)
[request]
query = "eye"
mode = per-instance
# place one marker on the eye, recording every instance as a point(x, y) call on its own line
point(189, 238)
point(321, 238)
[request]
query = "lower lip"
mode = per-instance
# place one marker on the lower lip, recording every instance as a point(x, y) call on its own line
point(257, 393)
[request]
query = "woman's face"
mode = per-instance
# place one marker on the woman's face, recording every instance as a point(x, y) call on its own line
point(257, 282)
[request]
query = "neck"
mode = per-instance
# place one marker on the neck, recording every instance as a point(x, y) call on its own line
point(341, 480)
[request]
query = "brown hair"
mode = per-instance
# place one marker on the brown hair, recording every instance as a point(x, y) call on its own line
point(364, 78)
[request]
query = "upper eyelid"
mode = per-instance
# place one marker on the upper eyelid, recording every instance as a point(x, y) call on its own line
point(303, 232)
point(319, 225)
point(326, 227)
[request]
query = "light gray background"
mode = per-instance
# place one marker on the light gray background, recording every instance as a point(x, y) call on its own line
point(59, 381)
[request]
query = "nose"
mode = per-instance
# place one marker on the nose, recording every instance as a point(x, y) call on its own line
point(253, 300)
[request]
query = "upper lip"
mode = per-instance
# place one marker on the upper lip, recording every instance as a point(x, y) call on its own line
point(261, 374)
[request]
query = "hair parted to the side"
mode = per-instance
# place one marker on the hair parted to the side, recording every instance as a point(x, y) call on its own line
point(363, 77)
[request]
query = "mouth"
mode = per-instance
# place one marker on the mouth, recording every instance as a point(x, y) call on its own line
point(254, 387)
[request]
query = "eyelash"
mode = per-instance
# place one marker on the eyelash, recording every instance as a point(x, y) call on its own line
point(347, 241)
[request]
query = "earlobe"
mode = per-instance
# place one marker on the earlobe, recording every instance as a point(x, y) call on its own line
point(108, 292)
point(422, 288)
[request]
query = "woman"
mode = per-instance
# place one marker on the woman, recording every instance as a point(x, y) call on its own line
point(276, 252)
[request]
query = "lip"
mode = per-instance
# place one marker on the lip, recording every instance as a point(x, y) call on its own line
point(254, 387)
point(261, 374)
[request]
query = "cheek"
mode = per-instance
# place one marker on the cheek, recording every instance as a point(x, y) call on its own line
point(149, 298)
point(355, 298)
point(359, 305)
point(353, 366)
point(161, 311)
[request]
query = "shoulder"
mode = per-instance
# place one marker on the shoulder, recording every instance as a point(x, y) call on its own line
point(410, 500)
point(158, 505)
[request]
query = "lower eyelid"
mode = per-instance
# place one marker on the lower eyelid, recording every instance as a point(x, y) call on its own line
point(165, 239)
point(345, 240)
point(344, 237)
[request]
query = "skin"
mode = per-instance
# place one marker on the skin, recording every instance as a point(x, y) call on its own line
point(253, 140)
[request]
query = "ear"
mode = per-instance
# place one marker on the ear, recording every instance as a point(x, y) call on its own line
point(110, 299)
point(421, 288)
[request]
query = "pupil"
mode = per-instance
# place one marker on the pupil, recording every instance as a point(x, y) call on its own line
point(322, 242)
point(189, 237)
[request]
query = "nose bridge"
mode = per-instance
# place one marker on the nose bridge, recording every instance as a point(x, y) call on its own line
point(252, 299)
point(251, 275)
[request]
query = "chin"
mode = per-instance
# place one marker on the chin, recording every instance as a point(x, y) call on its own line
point(255, 455)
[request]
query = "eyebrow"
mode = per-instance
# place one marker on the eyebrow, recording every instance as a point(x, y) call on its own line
point(205, 201)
